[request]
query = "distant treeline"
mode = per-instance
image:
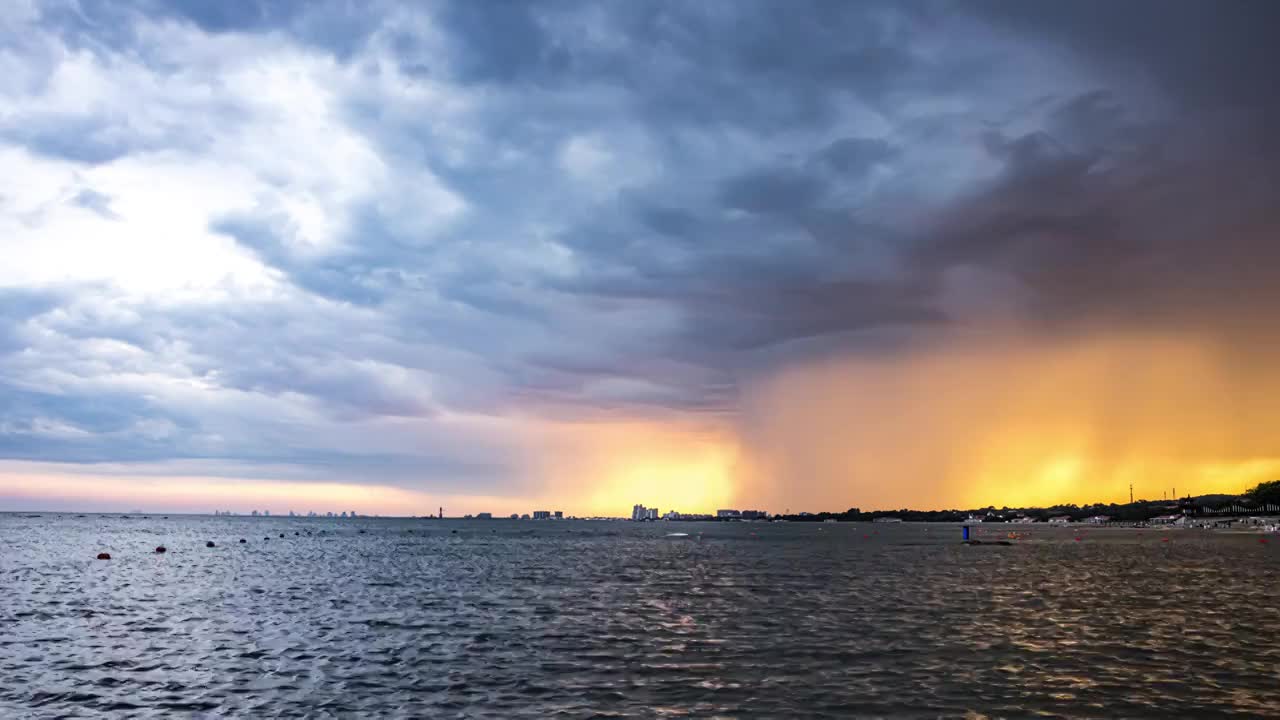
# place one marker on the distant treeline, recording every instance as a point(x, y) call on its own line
point(1260, 499)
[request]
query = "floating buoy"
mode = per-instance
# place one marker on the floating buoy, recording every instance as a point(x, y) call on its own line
point(160, 550)
point(282, 534)
point(243, 541)
point(1164, 539)
point(266, 538)
point(209, 544)
point(361, 532)
point(104, 556)
point(1077, 538)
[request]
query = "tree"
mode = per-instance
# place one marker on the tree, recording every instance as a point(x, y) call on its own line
point(1266, 493)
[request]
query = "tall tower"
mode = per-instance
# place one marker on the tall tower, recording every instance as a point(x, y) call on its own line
point(1130, 493)
point(441, 512)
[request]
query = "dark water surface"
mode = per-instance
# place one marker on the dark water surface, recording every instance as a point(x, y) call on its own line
point(578, 619)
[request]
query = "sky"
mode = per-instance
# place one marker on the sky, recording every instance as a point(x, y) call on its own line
point(497, 257)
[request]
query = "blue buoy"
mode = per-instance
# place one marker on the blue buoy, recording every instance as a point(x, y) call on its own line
point(966, 532)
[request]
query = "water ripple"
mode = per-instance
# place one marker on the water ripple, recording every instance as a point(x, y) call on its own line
point(518, 619)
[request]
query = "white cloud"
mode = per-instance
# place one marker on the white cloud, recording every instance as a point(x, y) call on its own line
point(585, 157)
point(235, 124)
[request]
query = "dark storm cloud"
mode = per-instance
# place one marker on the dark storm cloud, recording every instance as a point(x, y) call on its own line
point(771, 192)
point(857, 155)
point(1204, 53)
point(1166, 222)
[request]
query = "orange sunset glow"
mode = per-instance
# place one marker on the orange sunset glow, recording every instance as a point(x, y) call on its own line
point(975, 422)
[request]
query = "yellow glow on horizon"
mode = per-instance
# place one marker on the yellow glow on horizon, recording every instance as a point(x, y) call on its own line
point(603, 468)
point(990, 420)
point(962, 423)
point(698, 480)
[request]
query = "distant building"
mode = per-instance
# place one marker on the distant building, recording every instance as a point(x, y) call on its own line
point(887, 520)
point(638, 513)
point(651, 514)
point(541, 514)
point(353, 513)
point(524, 516)
point(329, 514)
point(559, 514)
point(515, 516)
point(754, 515)
point(344, 513)
point(1060, 519)
point(728, 514)
point(673, 515)
point(484, 516)
point(1099, 519)
point(254, 513)
point(266, 513)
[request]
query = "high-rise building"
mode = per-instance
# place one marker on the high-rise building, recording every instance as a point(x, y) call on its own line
point(637, 513)
point(484, 516)
point(559, 515)
point(541, 514)
point(651, 514)
point(266, 513)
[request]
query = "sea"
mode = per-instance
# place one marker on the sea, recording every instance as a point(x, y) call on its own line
point(334, 618)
